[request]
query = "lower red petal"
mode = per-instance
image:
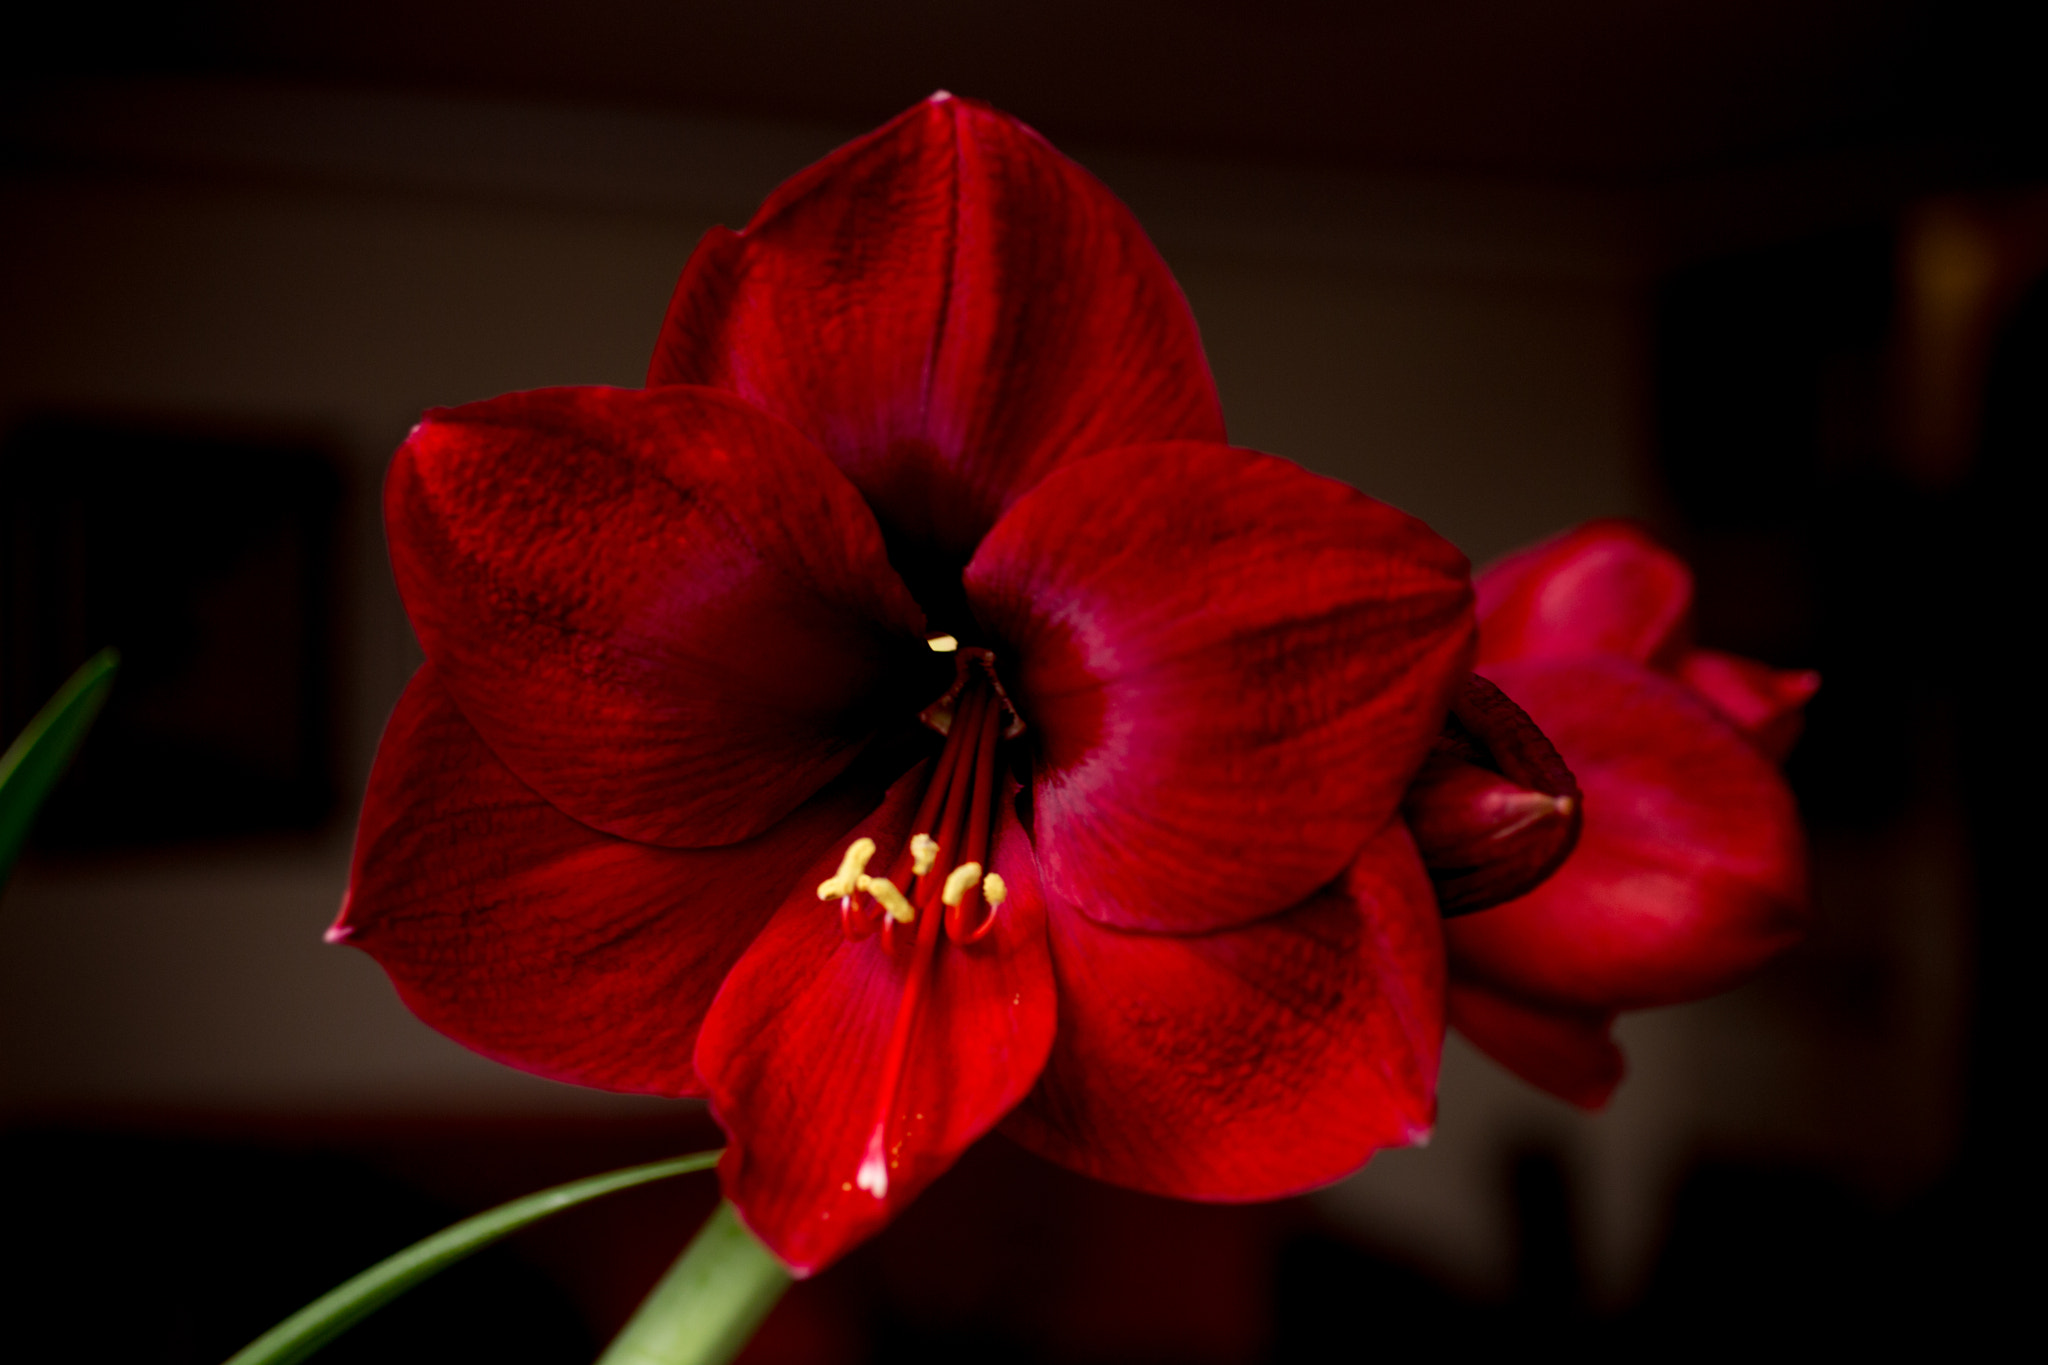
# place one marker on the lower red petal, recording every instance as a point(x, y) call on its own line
point(538, 941)
point(1689, 873)
point(793, 1052)
point(1254, 1062)
point(1568, 1054)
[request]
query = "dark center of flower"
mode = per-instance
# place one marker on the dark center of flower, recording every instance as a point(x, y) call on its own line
point(939, 882)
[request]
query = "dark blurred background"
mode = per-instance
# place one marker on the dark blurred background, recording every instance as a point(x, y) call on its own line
point(1768, 275)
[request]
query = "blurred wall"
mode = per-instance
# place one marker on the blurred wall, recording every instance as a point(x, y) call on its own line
point(1473, 351)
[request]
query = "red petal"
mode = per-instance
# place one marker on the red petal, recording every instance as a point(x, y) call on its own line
point(1605, 588)
point(1766, 704)
point(950, 308)
point(1568, 1054)
point(1689, 873)
point(1232, 667)
point(538, 941)
point(666, 612)
point(793, 1052)
point(1251, 1063)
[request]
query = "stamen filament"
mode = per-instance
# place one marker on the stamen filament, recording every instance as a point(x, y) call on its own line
point(995, 893)
point(961, 927)
point(963, 783)
point(935, 791)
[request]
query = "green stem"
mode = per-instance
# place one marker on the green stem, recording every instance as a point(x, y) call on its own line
point(709, 1302)
point(333, 1313)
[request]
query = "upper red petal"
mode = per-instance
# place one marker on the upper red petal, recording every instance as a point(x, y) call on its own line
point(1690, 870)
point(1605, 588)
point(538, 941)
point(1569, 1053)
point(1232, 669)
point(950, 308)
point(1254, 1062)
point(793, 1051)
point(665, 611)
point(1767, 704)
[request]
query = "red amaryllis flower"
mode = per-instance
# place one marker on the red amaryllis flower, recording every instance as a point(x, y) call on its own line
point(930, 447)
point(1690, 871)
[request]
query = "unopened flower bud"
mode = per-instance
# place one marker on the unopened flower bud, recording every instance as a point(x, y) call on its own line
point(1494, 810)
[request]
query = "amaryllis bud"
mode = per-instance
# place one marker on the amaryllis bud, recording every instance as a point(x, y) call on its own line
point(1494, 810)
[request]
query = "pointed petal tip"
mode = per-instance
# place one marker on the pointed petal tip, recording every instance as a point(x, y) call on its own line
point(340, 933)
point(1521, 809)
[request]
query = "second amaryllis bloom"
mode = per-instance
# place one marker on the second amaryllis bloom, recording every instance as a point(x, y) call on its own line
point(907, 715)
point(1689, 873)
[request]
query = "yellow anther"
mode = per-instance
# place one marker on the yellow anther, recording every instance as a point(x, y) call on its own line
point(992, 889)
point(889, 898)
point(959, 882)
point(848, 879)
point(924, 851)
point(942, 644)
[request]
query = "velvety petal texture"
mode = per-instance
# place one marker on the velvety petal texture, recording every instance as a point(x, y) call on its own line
point(794, 1049)
point(665, 611)
point(535, 939)
point(1253, 1062)
point(1231, 666)
point(950, 309)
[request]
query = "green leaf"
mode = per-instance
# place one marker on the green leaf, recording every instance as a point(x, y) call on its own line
point(708, 1304)
point(35, 761)
point(333, 1313)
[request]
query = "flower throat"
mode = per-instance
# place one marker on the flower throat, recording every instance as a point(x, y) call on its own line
point(938, 882)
